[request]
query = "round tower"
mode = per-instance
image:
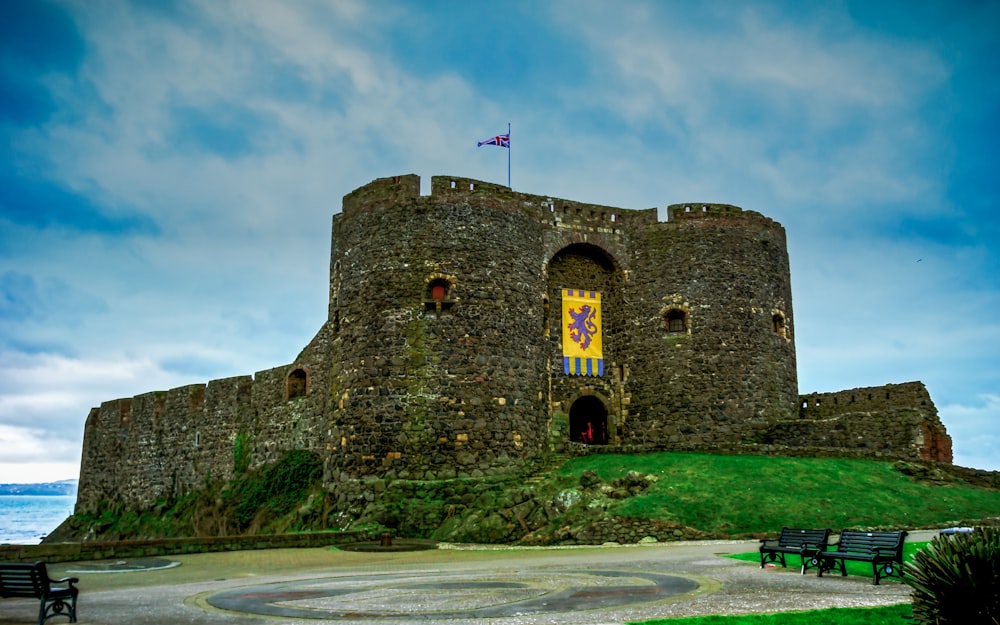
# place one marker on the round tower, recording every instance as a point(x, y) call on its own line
point(435, 301)
point(712, 354)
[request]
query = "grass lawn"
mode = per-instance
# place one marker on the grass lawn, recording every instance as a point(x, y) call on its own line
point(889, 615)
point(754, 495)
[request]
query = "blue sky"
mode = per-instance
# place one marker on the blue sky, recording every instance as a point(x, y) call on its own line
point(169, 170)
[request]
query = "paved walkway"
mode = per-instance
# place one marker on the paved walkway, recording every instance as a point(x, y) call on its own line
point(459, 586)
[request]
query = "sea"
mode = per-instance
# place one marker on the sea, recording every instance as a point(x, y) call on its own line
point(27, 519)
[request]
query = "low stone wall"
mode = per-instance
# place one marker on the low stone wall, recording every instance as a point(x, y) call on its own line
point(98, 550)
point(628, 531)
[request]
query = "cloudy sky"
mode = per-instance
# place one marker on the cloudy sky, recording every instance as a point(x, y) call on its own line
point(169, 170)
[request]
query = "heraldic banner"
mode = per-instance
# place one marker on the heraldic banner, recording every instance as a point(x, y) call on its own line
point(581, 333)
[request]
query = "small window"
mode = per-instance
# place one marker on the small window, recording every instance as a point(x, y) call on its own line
point(676, 321)
point(437, 298)
point(297, 384)
point(778, 325)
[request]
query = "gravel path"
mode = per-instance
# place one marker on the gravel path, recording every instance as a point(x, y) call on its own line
point(458, 586)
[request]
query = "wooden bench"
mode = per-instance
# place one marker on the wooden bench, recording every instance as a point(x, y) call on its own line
point(792, 540)
point(883, 549)
point(20, 579)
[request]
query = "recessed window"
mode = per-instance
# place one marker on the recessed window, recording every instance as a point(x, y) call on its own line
point(778, 324)
point(676, 321)
point(297, 384)
point(438, 298)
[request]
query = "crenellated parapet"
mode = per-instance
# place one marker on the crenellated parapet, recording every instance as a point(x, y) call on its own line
point(394, 190)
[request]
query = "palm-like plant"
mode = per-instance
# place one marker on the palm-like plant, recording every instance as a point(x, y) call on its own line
point(956, 579)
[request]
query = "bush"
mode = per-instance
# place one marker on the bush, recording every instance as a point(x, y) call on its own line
point(956, 579)
point(275, 489)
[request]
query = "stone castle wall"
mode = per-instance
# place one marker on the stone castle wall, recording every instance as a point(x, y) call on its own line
point(441, 356)
point(895, 420)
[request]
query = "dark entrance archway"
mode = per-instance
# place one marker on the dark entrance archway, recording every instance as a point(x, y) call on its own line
point(588, 421)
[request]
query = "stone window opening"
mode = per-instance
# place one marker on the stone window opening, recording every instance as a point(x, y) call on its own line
point(676, 321)
point(778, 324)
point(296, 384)
point(437, 299)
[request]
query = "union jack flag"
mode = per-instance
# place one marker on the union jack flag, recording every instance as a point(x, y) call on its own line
point(501, 141)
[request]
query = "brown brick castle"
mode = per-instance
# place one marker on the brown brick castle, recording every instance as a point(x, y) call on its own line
point(443, 354)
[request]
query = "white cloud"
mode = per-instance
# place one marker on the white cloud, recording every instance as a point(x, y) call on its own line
point(811, 120)
point(975, 425)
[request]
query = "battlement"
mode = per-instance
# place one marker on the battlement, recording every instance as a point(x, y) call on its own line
point(400, 190)
point(699, 210)
point(867, 399)
point(381, 191)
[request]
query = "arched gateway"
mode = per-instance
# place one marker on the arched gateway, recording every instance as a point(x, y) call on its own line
point(588, 421)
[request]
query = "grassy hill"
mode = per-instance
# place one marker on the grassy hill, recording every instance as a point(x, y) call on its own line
point(589, 499)
point(755, 494)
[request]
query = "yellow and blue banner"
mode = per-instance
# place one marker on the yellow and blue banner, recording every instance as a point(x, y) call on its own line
point(581, 333)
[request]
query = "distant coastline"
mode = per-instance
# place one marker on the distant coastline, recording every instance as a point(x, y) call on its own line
point(60, 488)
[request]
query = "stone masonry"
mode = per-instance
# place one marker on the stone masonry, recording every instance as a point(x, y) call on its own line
point(441, 356)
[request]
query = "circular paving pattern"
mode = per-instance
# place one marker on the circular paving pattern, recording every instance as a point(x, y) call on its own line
point(130, 565)
point(443, 596)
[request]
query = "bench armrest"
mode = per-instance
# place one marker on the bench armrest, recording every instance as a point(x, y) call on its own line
point(69, 580)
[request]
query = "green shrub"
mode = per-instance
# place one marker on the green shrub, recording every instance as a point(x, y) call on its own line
point(276, 489)
point(956, 579)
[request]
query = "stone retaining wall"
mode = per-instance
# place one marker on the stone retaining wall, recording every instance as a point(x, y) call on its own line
point(100, 550)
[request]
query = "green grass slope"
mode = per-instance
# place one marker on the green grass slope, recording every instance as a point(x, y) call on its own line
point(742, 495)
point(576, 501)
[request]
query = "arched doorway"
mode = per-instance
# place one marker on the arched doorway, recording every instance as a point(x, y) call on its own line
point(588, 421)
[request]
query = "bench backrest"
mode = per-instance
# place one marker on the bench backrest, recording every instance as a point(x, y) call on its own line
point(793, 537)
point(20, 579)
point(870, 542)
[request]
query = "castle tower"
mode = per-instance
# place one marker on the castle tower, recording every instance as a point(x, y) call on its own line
point(447, 356)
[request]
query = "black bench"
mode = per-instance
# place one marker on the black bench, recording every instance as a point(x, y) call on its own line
point(883, 549)
point(792, 540)
point(20, 579)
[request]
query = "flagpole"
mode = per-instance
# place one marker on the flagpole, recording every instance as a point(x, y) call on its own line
point(508, 154)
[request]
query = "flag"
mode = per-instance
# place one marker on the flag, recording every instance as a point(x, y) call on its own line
point(583, 353)
point(501, 141)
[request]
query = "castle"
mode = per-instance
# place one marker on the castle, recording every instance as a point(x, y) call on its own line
point(448, 352)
